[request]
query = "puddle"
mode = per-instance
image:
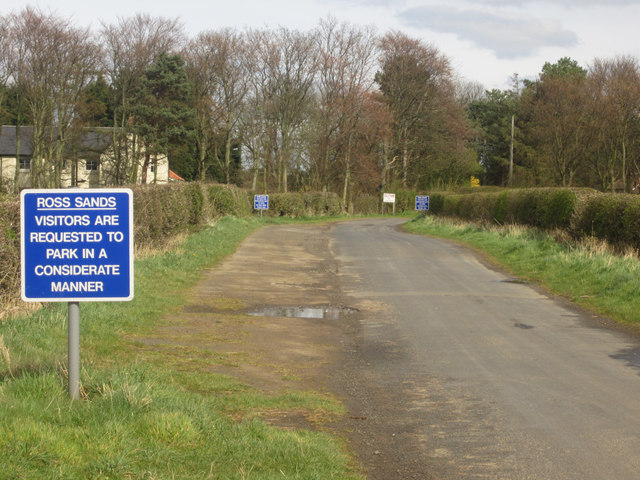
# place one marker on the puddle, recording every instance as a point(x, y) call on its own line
point(523, 326)
point(517, 281)
point(318, 312)
point(629, 355)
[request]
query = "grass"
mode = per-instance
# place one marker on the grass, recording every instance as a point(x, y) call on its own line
point(587, 273)
point(149, 413)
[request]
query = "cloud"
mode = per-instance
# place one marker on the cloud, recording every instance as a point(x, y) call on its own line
point(560, 3)
point(507, 36)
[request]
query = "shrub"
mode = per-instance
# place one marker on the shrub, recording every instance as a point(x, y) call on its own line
point(501, 208)
point(543, 208)
point(221, 200)
point(558, 209)
point(611, 217)
point(9, 249)
point(197, 213)
point(286, 205)
point(405, 200)
point(162, 211)
point(366, 205)
point(322, 203)
point(436, 203)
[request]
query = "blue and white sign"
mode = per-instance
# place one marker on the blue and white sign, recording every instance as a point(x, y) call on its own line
point(77, 245)
point(422, 202)
point(261, 202)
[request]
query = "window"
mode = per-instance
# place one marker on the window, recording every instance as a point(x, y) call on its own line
point(91, 165)
point(25, 163)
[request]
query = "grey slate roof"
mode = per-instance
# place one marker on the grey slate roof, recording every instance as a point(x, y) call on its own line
point(93, 141)
point(8, 141)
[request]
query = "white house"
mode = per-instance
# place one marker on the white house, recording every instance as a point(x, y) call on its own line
point(91, 166)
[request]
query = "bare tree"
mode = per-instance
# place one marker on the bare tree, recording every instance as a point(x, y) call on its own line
point(558, 122)
point(289, 63)
point(467, 92)
point(615, 86)
point(55, 62)
point(197, 63)
point(346, 59)
point(413, 77)
point(258, 122)
point(131, 46)
point(6, 51)
point(218, 64)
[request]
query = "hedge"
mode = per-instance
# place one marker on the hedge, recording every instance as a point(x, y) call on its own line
point(228, 200)
point(9, 250)
point(311, 204)
point(614, 218)
point(542, 208)
point(366, 204)
point(580, 212)
point(162, 211)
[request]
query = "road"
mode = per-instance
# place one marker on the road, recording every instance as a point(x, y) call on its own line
point(449, 368)
point(459, 371)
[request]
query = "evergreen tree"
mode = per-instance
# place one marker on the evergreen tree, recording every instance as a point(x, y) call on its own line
point(164, 110)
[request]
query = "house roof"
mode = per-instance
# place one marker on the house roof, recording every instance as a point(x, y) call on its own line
point(93, 141)
point(8, 141)
point(174, 176)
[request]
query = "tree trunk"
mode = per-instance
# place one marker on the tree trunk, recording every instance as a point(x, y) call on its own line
point(227, 159)
point(347, 173)
point(279, 167)
point(513, 117)
point(202, 158)
point(405, 163)
point(254, 180)
point(16, 176)
point(624, 166)
point(265, 177)
point(145, 166)
point(285, 176)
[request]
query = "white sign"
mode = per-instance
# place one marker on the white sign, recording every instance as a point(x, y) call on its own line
point(389, 198)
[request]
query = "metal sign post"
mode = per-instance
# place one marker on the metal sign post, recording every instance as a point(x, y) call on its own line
point(76, 246)
point(74, 350)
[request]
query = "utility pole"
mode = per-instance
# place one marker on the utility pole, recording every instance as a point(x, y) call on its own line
point(513, 119)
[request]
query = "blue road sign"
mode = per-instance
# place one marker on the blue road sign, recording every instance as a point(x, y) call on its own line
point(76, 245)
point(261, 202)
point(422, 202)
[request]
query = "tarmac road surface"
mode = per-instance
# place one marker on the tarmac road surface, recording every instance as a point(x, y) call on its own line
point(458, 371)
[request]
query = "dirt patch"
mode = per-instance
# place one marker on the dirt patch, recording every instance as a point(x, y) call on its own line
point(283, 266)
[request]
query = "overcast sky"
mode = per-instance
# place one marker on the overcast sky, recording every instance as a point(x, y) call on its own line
point(487, 41)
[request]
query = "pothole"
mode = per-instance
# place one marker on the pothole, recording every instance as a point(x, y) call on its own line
point(329, 312)
point(523, 326)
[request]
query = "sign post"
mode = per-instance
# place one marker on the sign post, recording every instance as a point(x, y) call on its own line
point(73, 350)
point(389, 198)
point(76, 246)
point(261, 202)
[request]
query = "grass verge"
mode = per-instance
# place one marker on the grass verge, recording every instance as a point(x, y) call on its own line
point(144, 415)
point(589, 274)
